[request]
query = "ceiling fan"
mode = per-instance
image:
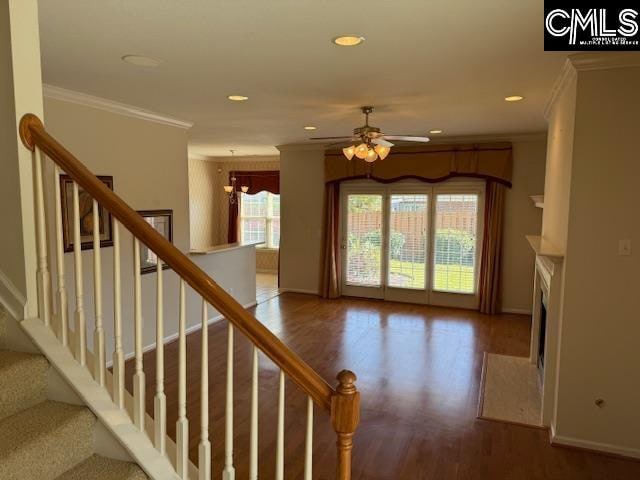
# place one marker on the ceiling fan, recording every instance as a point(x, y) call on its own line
point(369, 143)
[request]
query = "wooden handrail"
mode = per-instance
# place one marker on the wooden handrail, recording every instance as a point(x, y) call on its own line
point(33, 133)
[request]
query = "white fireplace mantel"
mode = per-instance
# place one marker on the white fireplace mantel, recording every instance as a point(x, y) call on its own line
point(547, 282)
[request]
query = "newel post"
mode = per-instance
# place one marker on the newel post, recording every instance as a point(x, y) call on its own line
point(345, 416)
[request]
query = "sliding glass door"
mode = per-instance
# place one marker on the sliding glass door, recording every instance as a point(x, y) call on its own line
point(412, 242)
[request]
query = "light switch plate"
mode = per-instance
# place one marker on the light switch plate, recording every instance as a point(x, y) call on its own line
point(624, 247)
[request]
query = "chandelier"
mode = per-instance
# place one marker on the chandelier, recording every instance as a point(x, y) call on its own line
point(232, 190)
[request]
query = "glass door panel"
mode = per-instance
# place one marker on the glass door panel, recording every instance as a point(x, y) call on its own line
point(407, 251)
point(364, 240)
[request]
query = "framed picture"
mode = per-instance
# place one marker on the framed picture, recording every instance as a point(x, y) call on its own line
point(162, 221)
point(105, 222)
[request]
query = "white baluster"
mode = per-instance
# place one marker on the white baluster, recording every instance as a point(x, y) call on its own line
point(63, 308)
point(229, 471)
point(280, 434)
point(138, 376)
point(98, 333)
point(160, 401)
point(253, 450)
point(42, 274)
point(182, 425)
point(308, 457)
point(204, 450)
point(80, 324)
point(118, 355)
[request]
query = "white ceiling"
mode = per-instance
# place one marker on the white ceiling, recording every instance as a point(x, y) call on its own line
point(425, 64)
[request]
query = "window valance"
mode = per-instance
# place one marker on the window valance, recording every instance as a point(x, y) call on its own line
point(429, 163)
point(257, 181)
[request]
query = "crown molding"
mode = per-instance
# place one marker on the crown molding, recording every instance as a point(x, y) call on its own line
point(489, 138)
point(58, 93)
point(297, 147)
point(604, 60)
point(566, 76)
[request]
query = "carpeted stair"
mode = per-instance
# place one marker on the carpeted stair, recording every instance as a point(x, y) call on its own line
point(46, 440)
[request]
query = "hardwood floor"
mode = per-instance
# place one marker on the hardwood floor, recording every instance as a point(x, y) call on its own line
point(419, 372)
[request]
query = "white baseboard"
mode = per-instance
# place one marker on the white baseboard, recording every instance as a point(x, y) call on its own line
point(518, 311)
point(174, 336)
point(11, 298)
point(564, 441)
point(300, 290)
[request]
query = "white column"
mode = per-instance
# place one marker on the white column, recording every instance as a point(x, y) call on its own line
point(253, 449)
point(42, 274)
point(229, 471)
point(118, 355)
point(182, 424)
point(63, 308)
point(98, 333)
point(280, 432)
point(80, 323)
point(160, 400)
point(138, 376)
point(308, 451)
point(204, 449)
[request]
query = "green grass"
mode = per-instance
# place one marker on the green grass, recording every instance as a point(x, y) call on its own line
point(447, 277)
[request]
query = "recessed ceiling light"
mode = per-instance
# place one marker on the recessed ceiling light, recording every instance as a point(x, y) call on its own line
point(237, 98)
point(348, 40)
point(310, 127)
point(141, 60)
point(435, 131)
point(514, 98)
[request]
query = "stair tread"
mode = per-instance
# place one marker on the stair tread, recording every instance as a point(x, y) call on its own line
point(102, 468)
point(22, 381)
point(45, 440)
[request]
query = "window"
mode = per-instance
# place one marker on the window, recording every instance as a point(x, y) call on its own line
point(407, 240)
point(456, 222)
point(260, 219)
point(364, 243)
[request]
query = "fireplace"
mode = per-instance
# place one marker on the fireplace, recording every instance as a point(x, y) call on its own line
point(544, 320)
point(542, 332)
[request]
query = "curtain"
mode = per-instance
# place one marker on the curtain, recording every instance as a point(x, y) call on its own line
point(491, 248)
point(429, 163)
point(331, 264)
point(257, 181)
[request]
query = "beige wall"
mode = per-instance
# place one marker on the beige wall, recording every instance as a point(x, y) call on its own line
point(148, 162)
point(301, 204)
point(600, 327)
point(522, 218)
point(209, 205)
point(302, 184)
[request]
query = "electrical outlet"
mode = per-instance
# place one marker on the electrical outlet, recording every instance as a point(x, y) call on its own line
point(624, 247)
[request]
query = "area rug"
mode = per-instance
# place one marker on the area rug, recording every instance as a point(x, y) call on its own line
point(510, 390)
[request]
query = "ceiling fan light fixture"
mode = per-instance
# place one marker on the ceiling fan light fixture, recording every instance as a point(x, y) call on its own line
point(349, 152)
point(382, 151)
point(361, 151)
point(372, 156)
point(228, 188)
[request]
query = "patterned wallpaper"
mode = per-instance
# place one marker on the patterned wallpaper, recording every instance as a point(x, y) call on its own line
point(209, 207)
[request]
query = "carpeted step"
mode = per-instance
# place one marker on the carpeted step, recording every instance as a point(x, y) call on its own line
point(23, 380)
point(45, 441)
point(101, 468)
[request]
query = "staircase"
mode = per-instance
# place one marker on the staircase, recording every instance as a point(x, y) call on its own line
point(43, 439)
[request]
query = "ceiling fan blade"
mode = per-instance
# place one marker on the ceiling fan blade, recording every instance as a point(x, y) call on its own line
point(382, 142)
point(331, 138)
point(339, 144)
point(407, 138)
